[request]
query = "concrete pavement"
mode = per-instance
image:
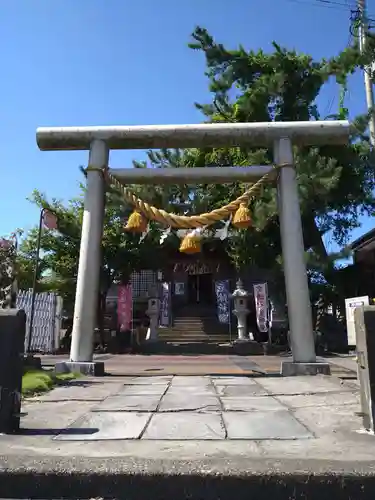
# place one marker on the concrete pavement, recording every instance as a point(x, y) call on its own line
point(346, 362)
point(98, 436)
point(195, 408)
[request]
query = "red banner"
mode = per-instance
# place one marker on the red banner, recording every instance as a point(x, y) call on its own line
point(124, 307)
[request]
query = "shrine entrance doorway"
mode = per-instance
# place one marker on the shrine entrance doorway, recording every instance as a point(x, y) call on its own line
point(200, 289)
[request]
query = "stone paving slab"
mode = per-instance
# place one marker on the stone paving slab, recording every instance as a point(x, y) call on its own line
point(162, 380)
point(185, 426)
point(191, 381)
point(189, 391)
point(302, 385)
point(264, 425)
point(198, 403)
point(147, 403)
point(81, 390)
point(143, 390)
point(322, 399)
point(251, 404)
point(106, 426)
point(334, 420)
point(233, 381)
point(38, 415)
point(240, 390)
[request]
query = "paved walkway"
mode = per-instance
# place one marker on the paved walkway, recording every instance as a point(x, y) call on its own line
point(312, 416)
point(126, 427)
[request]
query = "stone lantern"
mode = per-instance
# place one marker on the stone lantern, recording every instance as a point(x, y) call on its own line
point(152, 312)
point(240, 297)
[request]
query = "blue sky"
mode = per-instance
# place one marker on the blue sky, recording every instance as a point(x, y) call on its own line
point(107, 62)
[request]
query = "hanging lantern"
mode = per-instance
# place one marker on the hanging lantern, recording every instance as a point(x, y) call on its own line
point(136, 222)
point(242, 217)
point(191, 243)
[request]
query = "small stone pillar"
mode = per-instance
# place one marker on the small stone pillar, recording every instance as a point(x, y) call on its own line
point(240, 297)
point(153, 313)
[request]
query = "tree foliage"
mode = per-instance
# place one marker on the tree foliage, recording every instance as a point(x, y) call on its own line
point(335, 182)
point(7, 265)
point(9, 269)
point(122, 251)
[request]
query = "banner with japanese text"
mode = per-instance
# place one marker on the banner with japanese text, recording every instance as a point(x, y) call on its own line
point(223, 301)
point(124, 307)
point(261, 306)
point(165, 305)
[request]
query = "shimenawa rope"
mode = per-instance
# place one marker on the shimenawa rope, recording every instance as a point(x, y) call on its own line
point(192, 221)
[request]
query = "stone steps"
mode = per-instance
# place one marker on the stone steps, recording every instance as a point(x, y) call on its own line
point(179, 339)
point(176, 335)
point(195, 324)
point(205, 347)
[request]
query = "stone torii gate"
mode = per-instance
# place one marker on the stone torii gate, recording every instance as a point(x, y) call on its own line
point(279, 135)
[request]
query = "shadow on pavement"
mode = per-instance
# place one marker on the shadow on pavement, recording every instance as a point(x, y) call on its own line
point(53, 432)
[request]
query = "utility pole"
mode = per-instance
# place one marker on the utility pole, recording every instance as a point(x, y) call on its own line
point(363, 28)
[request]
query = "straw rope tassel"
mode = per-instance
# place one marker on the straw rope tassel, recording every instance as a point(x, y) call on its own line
point(242, 218)
point(136, 222)
point(191, 243)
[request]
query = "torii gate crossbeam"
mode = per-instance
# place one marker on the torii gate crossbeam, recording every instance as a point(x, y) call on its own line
point(279, 135)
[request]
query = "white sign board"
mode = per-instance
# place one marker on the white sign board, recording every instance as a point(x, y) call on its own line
point(350, 305)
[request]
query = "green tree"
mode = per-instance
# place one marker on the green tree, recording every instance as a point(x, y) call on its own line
point(335, 182)
point(122, 251)
point(7, 270)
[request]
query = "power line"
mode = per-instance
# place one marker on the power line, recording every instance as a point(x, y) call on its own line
point(326, 4)
point(343, 6)
point(334, 2)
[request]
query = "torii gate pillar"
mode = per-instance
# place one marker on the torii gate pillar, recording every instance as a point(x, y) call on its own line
point(296, 284)
point(87, 291)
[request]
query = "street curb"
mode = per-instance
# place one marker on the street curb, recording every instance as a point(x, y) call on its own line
point(210, 486)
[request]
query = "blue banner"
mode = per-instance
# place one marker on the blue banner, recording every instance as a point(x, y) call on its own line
point(223, 301)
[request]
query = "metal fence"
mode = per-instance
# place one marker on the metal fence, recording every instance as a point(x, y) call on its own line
point(47, 320)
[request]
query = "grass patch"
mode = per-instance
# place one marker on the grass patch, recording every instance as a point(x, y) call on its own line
point(39, 381)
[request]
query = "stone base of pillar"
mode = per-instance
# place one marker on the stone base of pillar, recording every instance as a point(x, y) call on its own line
point(241, 341)
point(93, 368)
point(291, 369)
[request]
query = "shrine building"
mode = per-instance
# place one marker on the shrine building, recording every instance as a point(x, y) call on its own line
point(188, 289)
